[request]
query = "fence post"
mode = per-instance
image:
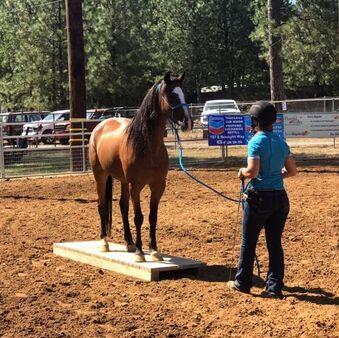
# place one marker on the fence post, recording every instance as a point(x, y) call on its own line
point(224, 153)
point(83, 146)
point(2, 155)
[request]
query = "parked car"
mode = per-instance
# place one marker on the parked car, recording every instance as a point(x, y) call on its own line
point(36, 130)
point(216, 107)
point(3, 119)
point(93, 117)
point(15, 122)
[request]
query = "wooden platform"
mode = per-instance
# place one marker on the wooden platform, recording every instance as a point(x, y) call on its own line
point(121, 261)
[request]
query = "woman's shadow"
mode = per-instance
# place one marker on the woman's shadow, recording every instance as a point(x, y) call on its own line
point(222, 273)
point(312, 295)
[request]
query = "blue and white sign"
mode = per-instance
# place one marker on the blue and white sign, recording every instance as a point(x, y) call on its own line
point(226, 130)
point(235, 129)
point(278, 126)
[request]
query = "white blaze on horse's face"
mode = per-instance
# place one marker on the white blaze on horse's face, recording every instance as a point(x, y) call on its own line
point(178, 91)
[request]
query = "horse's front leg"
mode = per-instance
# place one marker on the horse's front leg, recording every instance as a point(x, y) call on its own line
point(138, 220)
point(156, 193)
point(124, 206)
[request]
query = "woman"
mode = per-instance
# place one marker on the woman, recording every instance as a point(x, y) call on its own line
point(266, 203)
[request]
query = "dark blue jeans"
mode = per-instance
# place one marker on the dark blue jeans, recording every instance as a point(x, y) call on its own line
point(269, 210)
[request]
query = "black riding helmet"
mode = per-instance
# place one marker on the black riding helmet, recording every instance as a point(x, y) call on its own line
point(263, 112)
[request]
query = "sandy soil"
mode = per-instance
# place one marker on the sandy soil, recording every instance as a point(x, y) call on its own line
point(43, 295)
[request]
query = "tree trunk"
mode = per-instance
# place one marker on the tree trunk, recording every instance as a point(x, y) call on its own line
point(275, 61)
point(76, 75)
point(198, 89)
point(61, 64)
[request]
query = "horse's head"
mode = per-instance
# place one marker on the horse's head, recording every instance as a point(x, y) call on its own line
point(172, 101)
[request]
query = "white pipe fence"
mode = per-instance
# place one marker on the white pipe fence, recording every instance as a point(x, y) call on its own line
point(26, 155)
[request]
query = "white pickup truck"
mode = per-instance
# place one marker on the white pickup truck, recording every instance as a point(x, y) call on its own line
point(45, 127)
point(216, 107)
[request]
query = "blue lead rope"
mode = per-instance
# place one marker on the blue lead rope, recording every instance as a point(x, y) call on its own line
point(195, 178)
point(243, 186)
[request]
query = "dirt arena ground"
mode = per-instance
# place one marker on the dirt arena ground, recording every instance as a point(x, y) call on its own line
point(43, 295)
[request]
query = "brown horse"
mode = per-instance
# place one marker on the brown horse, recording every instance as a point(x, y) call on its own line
point(133, 151)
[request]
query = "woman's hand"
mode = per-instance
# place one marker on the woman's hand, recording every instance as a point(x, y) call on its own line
point(240, 174)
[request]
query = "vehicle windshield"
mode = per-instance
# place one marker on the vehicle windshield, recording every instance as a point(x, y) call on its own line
point(4, 118)
point(52, 117)
point(102, 115)
point(220, 106)
point(32, 118)
point(56, 116)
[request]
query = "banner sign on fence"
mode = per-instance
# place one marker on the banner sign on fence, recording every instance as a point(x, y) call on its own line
point(311, 124)
point(235, 129)
point(226, 129)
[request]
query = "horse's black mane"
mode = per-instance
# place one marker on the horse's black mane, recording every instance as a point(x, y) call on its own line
point(140, 129)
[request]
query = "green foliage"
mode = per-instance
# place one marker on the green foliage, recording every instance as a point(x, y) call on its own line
point(260, 19)
point(309, 40)
point(310, 45)
point(120, 47)
point(210, 39)
point(131, 43)
point(32, 55)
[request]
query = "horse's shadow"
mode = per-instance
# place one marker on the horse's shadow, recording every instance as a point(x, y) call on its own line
point(222, 273)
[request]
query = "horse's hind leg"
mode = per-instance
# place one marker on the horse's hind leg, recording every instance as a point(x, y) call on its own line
point(124, 206)
point(138, 220)
point(156, 193)
point(104, 190)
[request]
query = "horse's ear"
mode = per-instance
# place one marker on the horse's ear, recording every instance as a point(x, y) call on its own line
point(182, 77)
point(167, 77)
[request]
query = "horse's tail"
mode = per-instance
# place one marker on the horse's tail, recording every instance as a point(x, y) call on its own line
point(108, 205)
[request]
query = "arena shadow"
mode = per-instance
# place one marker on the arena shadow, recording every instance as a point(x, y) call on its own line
point(42, 198)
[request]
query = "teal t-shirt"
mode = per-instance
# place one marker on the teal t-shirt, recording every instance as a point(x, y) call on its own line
point(272, 151)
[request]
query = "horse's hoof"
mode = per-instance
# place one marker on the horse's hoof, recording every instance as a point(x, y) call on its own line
point(156, 256)
point(131, 247)
point(104, 247)
point(139, 258)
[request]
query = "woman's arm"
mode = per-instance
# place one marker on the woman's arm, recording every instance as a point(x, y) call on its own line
point(290, 168)
point(252, 169)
